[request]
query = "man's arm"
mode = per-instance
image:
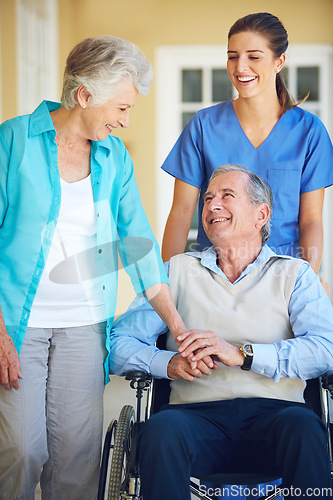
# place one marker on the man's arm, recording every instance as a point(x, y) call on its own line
point(308, 355)
point(133, 338)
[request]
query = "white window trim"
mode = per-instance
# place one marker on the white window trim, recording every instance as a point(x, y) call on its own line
point(37, 33)
point(170, 61)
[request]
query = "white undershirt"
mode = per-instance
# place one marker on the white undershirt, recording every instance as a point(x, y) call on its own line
point(70, 294)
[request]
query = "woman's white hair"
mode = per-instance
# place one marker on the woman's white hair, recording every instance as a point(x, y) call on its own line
point(258, 191)
point(99, 63)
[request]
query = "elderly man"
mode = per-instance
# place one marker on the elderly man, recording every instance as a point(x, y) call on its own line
point(237, 384)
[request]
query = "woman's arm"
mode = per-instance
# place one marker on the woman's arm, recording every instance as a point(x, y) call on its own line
point(311, 229)
point(160, 298)
point(179, 220)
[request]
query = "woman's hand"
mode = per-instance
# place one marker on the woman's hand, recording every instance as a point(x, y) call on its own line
point(202, 343)
point(10, 369)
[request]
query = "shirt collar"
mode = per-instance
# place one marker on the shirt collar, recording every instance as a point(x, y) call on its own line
point(208, 259)
point(41, 121)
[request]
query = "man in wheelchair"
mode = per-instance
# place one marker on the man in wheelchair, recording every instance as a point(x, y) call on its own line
point(261, 325)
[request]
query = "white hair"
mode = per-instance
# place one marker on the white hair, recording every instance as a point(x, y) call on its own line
point(99, 63)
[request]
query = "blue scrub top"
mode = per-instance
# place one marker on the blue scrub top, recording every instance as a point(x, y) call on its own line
point(295, 158)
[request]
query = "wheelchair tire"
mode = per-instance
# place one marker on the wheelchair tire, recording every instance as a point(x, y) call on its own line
point(119, 473)
point(108, 445)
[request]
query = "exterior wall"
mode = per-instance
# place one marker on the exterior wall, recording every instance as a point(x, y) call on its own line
point(151, 23)
point(8, 59)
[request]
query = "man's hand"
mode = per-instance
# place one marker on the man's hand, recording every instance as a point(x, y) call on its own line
point(202, 343)
point(10, 369)
point(179, 367)
point(207, 360)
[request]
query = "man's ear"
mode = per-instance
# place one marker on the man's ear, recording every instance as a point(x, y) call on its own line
point(263, 215)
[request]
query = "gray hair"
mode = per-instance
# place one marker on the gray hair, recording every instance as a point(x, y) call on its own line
point(258, 191)
point(98, 63)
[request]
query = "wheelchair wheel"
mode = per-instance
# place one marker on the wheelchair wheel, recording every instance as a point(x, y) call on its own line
point(108, 445)
point(119, 470)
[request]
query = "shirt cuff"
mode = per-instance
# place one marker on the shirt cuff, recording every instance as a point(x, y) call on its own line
point(159, 364)
point(265, 359)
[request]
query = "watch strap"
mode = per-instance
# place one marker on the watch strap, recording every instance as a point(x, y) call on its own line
point(247, 350)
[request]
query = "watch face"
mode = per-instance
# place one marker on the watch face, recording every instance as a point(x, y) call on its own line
point(247, 349)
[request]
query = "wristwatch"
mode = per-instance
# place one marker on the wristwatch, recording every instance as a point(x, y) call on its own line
point(247, 350)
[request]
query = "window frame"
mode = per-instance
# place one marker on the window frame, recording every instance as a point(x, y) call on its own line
point(37, 34)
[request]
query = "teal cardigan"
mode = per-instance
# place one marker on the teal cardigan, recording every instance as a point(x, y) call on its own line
point(30, 197)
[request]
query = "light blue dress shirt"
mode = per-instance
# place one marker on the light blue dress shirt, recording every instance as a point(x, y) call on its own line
point(30, 197)
point(306, 356)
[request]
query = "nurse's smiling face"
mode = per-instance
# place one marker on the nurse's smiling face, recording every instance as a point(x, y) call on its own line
point(252, 66)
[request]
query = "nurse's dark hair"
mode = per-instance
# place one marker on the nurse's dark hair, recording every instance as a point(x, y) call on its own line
point(99, 64)
point(258, 191)
point(275, 33)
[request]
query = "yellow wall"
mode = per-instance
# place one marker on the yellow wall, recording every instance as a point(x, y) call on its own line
point(150, 23)
point(8, 58)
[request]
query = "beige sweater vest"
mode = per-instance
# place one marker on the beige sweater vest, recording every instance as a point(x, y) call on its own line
point(254, 310)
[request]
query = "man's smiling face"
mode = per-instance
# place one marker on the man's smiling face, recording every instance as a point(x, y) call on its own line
point(228, 215)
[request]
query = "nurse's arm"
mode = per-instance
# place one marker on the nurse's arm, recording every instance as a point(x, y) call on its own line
point(10, 370)
point(180, 218)
point(311, 228)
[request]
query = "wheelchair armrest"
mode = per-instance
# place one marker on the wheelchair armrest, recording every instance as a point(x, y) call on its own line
point(327, 382)
point(137, 376)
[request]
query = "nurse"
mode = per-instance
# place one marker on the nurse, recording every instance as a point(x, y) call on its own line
point(264, 130)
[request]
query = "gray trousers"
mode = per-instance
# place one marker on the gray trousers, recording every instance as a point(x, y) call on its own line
point(51, 428)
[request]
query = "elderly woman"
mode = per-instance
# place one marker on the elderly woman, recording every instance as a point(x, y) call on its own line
point(69, 205)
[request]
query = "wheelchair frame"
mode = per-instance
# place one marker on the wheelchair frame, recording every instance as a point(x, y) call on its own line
point(122, 438)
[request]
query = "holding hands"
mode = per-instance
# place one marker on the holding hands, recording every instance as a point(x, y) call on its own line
point(199, 350)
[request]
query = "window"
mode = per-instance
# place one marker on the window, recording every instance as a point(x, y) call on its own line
point(192, 77)
point(37, 53)
point(188, 78)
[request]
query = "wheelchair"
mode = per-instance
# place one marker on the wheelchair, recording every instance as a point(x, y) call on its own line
point(122, 435)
